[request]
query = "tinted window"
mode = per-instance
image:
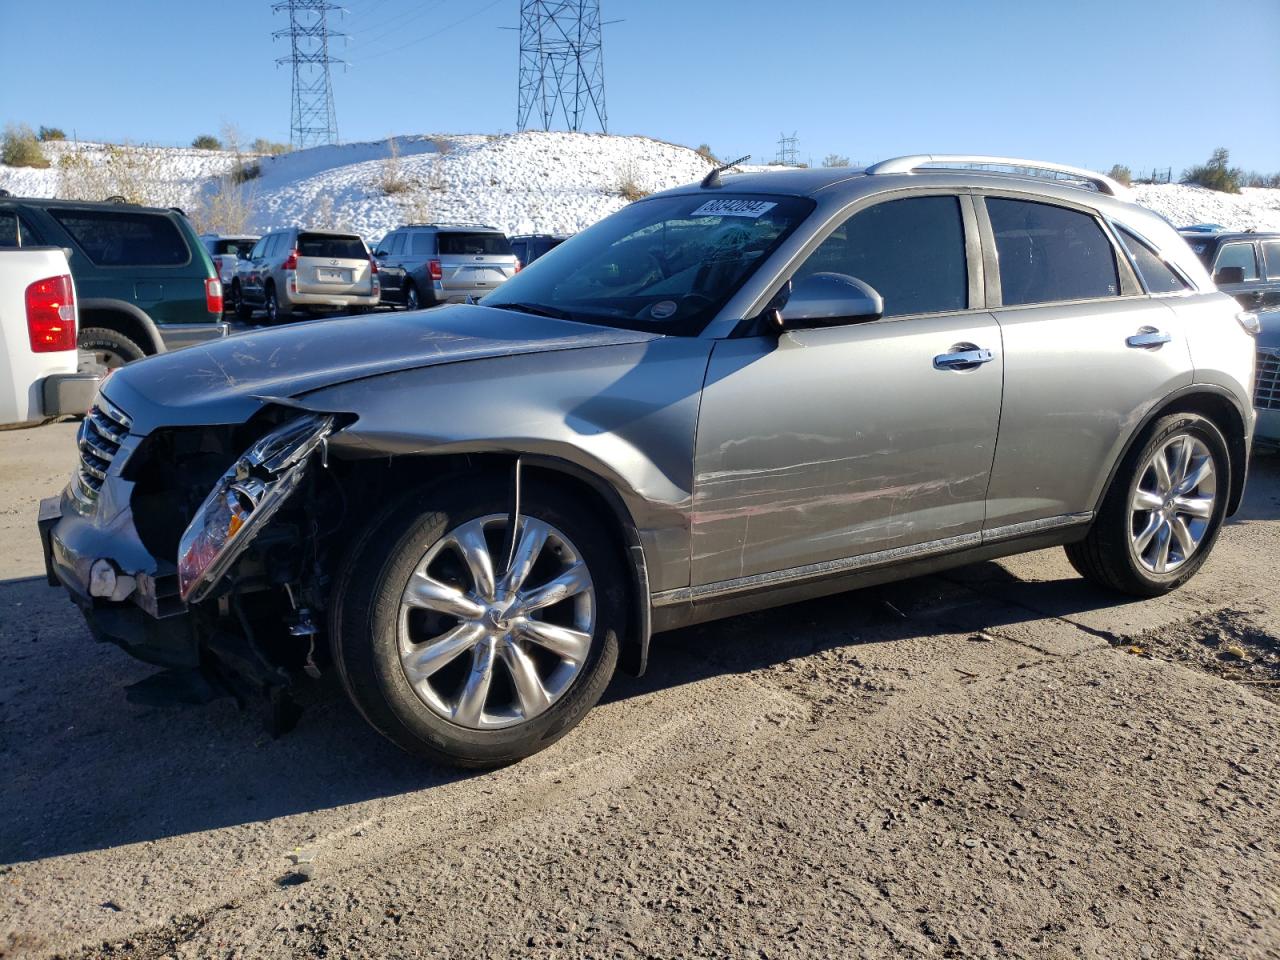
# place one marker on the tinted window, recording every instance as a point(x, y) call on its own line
point(518, 247)
point(1238, 255)
point(112, 238)
point(333, 247)
point(397, 244)
point(8, 229)
point(259, 248)
point(1156, 274)
point(1271, 253)
point(1049, 253)
point(236, 248)
point(911, 251)
point(478, 244)
point(422, 245)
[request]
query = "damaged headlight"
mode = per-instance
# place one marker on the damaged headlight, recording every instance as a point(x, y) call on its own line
point(243, 500)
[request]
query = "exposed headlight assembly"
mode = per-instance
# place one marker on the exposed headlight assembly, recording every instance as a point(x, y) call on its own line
point(244, 500)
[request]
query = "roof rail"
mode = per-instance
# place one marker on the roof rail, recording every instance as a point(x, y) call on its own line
point(453, 223)
point(914, 162)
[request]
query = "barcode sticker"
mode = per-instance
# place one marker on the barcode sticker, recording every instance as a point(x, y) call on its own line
point(751, 209)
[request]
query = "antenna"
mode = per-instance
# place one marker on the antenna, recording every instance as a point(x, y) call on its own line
point(312, 119)
point(788, 153)
point(561, 64)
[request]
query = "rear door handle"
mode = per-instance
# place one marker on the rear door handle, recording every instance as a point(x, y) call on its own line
point(963, 359)
point(1149, 338)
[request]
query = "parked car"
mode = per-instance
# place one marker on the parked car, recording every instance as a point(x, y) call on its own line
point(1266, 388)
point(227, 251)
point(724, 397)
point(1245, 265)
point(529, 247)
point(41, 372)
point(426, 264)
point(319, 271)
point(146, 284)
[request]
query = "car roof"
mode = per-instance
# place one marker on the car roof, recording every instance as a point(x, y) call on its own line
point(1231, 235)
point(104, 204)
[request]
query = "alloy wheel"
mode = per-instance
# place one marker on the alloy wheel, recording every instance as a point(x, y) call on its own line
point(411, 298)
point(486, 649)
point(1172, 504)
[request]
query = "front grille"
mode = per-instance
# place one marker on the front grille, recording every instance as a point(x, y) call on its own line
point(103, 430)
point(1266, 389)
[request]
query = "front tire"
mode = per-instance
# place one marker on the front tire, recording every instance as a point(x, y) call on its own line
point(411, 301)
point(110, 348)
point(242, 310)
point(456, 660)
point(1162, 514)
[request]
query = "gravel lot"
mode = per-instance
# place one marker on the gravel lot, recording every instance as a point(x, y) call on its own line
point(999, 762)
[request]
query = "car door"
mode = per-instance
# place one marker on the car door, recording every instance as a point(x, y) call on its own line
point(1087, 353)
point(1242, 254)
point(1269, 298)
point(390, 273)
point(819, 445)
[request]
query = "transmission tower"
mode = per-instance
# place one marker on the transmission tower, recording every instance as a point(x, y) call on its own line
point(561, 64)
point(788, 154)
point(312, 120)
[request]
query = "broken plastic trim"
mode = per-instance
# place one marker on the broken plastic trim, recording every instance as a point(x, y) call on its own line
point(243, 500)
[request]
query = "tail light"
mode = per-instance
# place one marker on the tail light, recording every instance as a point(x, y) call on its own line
point(373, 266)
point(291, 261)
point(436, 272)
point(213, 295)
point(51, 315)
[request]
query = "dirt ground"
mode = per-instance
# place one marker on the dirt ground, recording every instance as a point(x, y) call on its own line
point(998, 762)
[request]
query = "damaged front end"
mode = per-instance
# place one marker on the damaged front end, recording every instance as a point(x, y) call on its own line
point(200, 549)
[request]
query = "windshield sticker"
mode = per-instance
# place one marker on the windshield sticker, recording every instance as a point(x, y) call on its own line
point(751, 209)
point(662, 309)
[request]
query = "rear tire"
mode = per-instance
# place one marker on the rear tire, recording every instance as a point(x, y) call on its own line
point(378, 635)
point(411, 301)
point(1158, 524)
point(242, 310)
point(109, 347)
point(275, 312)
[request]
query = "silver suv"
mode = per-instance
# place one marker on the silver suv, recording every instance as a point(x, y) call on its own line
point(728, 396)
point(312, 270)
point(425, 264)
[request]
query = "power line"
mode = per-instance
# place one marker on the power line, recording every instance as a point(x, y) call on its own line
point(561, 63)
point(447, 27)
point(312, 118)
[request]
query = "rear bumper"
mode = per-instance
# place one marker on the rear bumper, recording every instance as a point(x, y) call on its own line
point(68, 393)
point(337, 301)
point(178, 335)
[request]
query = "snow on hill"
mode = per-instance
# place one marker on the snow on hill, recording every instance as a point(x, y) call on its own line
point(525, 182)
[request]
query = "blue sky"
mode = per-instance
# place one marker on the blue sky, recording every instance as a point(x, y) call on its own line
point(1094, 83)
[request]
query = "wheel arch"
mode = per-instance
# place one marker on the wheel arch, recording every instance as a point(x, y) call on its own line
point(1210, 401)
point(440, 469)
point(123, 317)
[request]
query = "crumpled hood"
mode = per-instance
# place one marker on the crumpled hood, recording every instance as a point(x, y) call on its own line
point(225, 381)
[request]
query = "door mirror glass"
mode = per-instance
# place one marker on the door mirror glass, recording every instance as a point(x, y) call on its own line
point(1227, 275)
point(828, 299)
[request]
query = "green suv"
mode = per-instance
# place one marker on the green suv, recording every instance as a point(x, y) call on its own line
point(145, 282)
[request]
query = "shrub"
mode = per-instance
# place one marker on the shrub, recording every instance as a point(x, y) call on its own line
point(628, 185)
point(835, 160)
point(1120, 174)
point(226, 209)
point(271, 147)
point(1216, 174)
point(244, 172)
point(207, 141)
point(51, 133)
point(393, 180)
point(704, 151)
point(20, 148)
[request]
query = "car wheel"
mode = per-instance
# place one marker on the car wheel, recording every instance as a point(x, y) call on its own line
point(274, 312)
point(1163, 511)
point(109, 348)
point(411, 297)
point(243, 310)
point(455, 656)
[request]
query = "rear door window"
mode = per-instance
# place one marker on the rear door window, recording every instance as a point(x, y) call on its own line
point(1238, 255)
point(397, 245)
point(911, 251)
point(1049, 254)
point(332, 247)
point(118, 238)
point(422, 245)
point(476, 244)
point(1157, 276)
point(1271, 254)
point(8, 229)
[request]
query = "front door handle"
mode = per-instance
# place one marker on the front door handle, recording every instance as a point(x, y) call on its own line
point(963, 359)
point(1149, 338)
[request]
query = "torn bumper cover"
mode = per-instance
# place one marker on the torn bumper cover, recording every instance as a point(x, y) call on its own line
point(83, 543)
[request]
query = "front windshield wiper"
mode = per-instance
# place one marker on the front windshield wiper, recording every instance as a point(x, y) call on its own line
point(537, 309)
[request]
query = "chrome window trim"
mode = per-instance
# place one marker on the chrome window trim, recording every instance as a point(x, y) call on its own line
point(1191, 287)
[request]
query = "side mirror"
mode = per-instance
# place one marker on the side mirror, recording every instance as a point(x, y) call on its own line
point(1229, 275)
point(828, 299)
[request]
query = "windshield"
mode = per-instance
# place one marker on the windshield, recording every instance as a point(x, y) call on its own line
point(484, 244)
point(665, 265)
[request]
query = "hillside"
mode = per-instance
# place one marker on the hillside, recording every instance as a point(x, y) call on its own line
point(527, 182)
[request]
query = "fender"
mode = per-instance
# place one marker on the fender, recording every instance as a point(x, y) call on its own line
point(1158, 410)
point(122, 306)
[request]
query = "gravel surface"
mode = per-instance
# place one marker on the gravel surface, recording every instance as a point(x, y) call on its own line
point(998, 762)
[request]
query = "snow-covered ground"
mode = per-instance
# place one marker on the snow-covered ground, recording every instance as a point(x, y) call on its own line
point(526, 182)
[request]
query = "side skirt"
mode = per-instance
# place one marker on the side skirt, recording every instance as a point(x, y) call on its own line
point(727, 598)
